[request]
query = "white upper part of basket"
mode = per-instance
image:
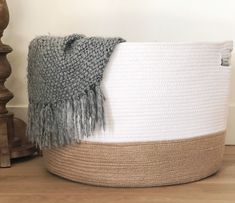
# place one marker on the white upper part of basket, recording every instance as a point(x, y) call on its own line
point(164, 91)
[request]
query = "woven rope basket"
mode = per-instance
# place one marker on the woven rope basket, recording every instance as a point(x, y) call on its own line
point(166, 110)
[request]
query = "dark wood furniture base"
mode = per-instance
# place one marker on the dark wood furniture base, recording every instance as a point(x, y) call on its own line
point(13, 142)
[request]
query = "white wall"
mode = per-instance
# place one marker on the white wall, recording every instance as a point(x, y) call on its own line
point(134, 20)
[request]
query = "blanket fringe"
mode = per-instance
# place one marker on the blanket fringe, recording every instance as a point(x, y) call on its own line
point(66, 122)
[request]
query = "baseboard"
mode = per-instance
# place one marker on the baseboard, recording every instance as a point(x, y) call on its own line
point(21, 112)
point(230, 136)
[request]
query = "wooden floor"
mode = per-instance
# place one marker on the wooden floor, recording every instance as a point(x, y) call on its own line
point(28, 181)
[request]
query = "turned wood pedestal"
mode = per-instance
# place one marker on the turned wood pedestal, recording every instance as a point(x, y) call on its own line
point(13, 142)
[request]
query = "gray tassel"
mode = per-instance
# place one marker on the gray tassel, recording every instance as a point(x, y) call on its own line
point(100, 108)
point(66, 122)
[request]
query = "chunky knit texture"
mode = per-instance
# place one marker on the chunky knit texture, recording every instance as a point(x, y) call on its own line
point(65, 98)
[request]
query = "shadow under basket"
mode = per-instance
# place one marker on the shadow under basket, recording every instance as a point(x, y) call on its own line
point(139, 164)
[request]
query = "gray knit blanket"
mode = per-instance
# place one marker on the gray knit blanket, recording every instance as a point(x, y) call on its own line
point(65, 97)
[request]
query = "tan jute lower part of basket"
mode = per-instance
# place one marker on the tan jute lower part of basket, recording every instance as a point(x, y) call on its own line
point(138, 164)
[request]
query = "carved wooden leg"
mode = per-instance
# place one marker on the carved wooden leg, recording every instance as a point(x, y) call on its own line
point(5, 94)
point(13, 143)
